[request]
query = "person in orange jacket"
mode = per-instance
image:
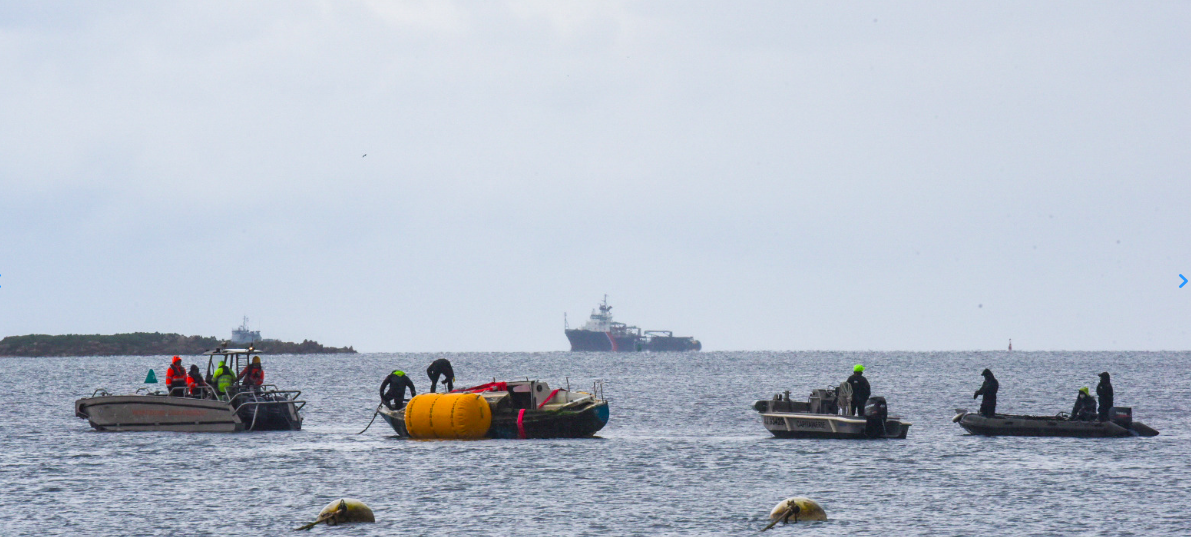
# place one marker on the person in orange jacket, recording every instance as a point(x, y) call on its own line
point(252, 375)
point(195, 382)
point(175, 378)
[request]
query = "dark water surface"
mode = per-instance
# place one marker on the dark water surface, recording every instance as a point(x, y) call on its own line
point(683, 453)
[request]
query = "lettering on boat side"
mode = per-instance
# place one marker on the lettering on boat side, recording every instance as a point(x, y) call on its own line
point(167, 413)
point(810, 424)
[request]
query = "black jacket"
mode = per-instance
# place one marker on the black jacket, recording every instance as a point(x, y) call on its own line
point(988, 389)
point(860, 389)
point(396, 385)
point(441, 366)
point(1085, 407)
point(1104, 393)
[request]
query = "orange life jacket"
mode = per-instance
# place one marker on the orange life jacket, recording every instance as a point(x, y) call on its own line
point(255, 375)
point(195, 385)
point(175, 374)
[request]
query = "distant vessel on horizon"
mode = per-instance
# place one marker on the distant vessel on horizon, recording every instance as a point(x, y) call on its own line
point(244, 336)
point(601, 333)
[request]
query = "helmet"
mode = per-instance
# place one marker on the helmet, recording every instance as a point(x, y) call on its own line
point(1084, 390)
point(256, 360)
point(859, 368)
point(399, 373)
point(177, 359)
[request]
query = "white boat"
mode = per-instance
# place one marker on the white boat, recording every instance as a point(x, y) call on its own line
point(821, 417)
point(242, 408)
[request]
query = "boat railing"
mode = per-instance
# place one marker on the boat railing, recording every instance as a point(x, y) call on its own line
point(100, 392)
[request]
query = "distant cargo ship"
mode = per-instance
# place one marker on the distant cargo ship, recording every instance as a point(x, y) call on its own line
point(601, 333)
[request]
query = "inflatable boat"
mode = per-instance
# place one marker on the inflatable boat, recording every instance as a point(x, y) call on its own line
point(513, 410)
point(1119, 424)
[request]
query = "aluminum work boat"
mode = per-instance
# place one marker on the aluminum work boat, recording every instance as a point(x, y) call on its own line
point(240, 408)
point(1120, 423)
point(824, 415)
point(512, 410)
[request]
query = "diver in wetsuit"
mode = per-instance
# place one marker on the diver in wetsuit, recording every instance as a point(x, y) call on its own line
point(988, 405)
point(1104, 394)
point(860, 390)
point(396, 383)
point(1085, 407)
point(441, 367)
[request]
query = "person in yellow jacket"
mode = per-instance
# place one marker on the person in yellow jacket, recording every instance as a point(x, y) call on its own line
point(224, 378)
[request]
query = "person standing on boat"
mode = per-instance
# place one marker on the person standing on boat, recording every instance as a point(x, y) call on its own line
point(988, 405)
point(224, 378)
point(441, 367)
point(195, 382)
point(253, 375)
point(396, 383)
point(1104, 395)
point(175, 378)
point(1085, 406)
point(860, 390)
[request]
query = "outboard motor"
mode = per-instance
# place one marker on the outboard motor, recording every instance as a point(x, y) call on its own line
point(875, 414)
point(1121, 415)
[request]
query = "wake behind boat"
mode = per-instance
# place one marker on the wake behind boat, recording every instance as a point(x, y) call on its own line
point(239, 407)
point(514, 409)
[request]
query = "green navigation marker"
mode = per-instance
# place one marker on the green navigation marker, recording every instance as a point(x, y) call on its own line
point(151, 378)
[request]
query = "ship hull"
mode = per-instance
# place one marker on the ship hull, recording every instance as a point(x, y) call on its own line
point(588, 340)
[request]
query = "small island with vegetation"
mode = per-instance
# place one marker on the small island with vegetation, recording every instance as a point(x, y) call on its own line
point(145, 344)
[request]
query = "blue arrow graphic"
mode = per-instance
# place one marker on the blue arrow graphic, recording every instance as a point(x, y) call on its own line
point(1184, 281)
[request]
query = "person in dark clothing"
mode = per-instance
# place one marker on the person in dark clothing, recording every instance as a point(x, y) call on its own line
point(441, 367)
point(860, 390)
point(392, 390)
point(1085, 407)
point(1104, 395)
point(988, 405)
point(195, 382)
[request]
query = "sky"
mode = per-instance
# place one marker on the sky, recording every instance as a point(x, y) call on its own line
point(759, 175)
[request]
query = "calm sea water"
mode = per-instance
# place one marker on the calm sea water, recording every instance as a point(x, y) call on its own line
point(683, 453)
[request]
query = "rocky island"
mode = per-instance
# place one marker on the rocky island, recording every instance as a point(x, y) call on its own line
point(145, 344)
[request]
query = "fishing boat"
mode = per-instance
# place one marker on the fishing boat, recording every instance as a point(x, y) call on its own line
point(824, 415)
point(1119, 424)
point(511, 410)
point(240, 408)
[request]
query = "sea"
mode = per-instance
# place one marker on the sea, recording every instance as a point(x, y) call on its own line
point(684, 453)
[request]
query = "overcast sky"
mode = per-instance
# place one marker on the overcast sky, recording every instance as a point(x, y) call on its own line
point(781, 175)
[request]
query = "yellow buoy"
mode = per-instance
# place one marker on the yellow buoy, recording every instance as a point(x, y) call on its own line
point(342, 511)
point(448, 416)
point(796, 509)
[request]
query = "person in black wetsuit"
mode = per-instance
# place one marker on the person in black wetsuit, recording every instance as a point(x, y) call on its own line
point(1085, 407)
point(396, 383)
point(988, 405)
point(860, 390)
point(1104, 395)
point(441, 367)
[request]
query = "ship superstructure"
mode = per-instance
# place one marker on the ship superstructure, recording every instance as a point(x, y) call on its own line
point(601, 333)
point(244, 336)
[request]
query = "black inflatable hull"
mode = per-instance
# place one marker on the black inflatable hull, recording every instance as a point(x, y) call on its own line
point(1010, 425)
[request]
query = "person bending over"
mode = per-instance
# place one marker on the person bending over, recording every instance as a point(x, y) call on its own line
point(392, 390)
point(441, 367)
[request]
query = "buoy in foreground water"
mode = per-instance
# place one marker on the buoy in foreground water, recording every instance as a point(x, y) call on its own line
point(342, 511)
point(795, 509)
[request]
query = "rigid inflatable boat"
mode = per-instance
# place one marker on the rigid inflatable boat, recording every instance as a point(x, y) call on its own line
point(241, 408)
point(515, 409)
point(1120, 423)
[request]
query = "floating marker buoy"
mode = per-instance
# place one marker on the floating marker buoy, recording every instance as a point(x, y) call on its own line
point(795, 509)
point(342, 511)
point(151, 378)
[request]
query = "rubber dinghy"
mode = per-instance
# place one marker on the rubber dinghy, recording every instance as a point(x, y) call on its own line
point(515, 409)
point(1119, 424)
